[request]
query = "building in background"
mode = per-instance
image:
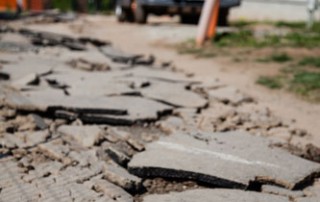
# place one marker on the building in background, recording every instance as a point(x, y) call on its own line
point(289, 10)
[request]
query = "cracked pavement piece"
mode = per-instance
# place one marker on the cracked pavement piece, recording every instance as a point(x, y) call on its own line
point(86, 136)
point(111, 190)
point(229, 95)
point(100, 109)
point(216, 195)
point(23, 139)
point(270, 189)
point(174, 94)
point(216, 160)
point(121, 177)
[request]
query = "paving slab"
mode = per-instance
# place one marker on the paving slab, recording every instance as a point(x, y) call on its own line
point(174, 94)
point(121, 177)
point(28, 64)
point(120, 108)
point(232, 159)
point(111, 190)
point(23, 139)
point(308, 199)
point(216, 195)
point(11, 173)
point(118, 55)
point(86, 136)
point(270, 189)
point(229, 95)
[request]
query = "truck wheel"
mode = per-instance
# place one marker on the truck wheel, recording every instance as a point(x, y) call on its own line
point(140, 14)
point(223, 17)
point(122, 14)
point(189, 19)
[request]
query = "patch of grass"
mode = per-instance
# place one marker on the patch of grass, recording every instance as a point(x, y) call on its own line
point(310, 61)
point(276, 57)
point(242, 23)
point(63, 5)
point(189, 47)
point(246, 38)
point(270, 82)
point(305, 81)
point(292, 25)
point(298, 25)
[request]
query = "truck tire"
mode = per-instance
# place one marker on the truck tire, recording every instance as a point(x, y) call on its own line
point(122, 14)
point(189, 19)
point(140, 14)
point(223, 17)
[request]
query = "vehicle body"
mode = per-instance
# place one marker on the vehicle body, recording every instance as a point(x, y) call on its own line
point(189, 10)
point(12, 5)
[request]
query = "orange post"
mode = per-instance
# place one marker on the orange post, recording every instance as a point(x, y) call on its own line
point(208, 21)
point(211, 32)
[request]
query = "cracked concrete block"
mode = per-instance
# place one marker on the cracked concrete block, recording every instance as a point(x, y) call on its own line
point(135, 144)
point(118, 55)
point(39, 122)
point(214, 161)
point(27, 80)
point(171, 124)
point(43, 170)
point(80, 193)
point(55, 150)
point(118, 156)
point(11, 173)
point(23, 139)
point(308, 199)
point(85, 157)
point(30, 64)
point(216, 195)
point(173, 94)
point(113, 110)
point(86, 136)
point(228, 95)
point(20, 192)
point(111, 190)
point(121, 177)
point(269, 189)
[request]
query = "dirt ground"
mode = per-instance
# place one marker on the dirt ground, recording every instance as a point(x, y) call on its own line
point(159, 38)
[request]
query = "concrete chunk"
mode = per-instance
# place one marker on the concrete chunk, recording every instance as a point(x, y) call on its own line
point(229, 95)
point(216, 195)
point(214, 161)
point(86, 136)
point(121, 177)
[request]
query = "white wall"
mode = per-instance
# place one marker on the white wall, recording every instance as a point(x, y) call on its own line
point(291, 10)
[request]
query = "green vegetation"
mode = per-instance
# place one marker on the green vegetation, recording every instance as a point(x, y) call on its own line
point(270, 82)
point(297, 25)
point(92, 6)
point(292, 25)
point(242, 23)
point(310, 61)
point(298, 75)
point(63, 5)
point(305, 81)
point(246, 38)
point(276, 57)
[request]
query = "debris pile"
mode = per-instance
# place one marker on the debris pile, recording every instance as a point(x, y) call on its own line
point(83, 121)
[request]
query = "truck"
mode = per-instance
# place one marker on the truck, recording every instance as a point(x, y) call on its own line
point(188, 10)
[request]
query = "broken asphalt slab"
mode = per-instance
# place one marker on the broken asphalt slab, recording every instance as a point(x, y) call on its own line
point(216, 195)
point(233, 159)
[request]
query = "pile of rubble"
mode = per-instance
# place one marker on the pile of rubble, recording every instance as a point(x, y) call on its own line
point(83, 121)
